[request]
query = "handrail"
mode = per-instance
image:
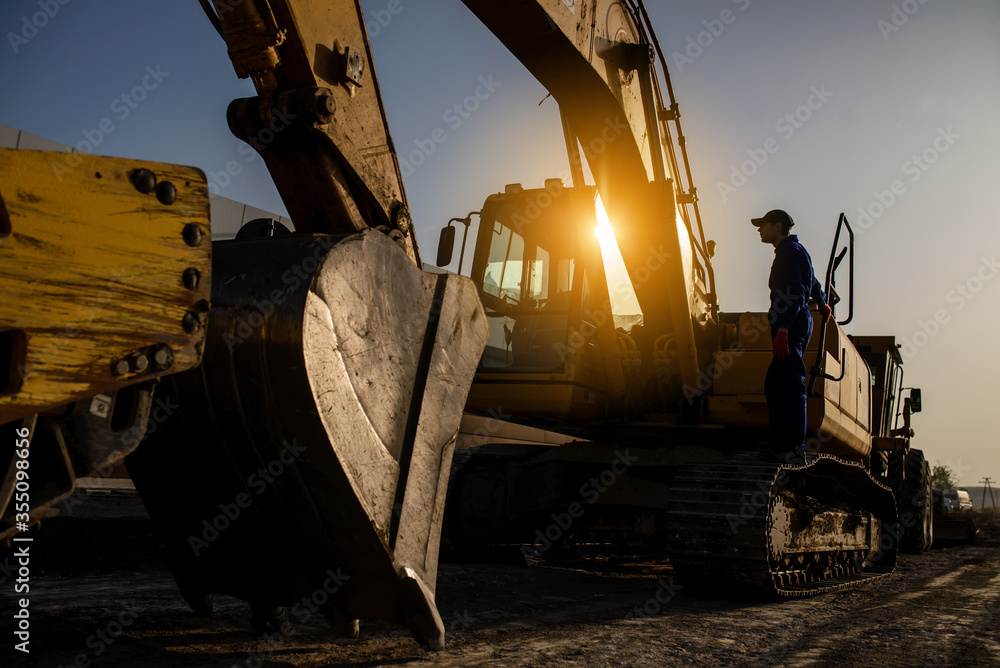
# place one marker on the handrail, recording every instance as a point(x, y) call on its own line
point(645, 25)
point(834, 263)
point(835, 259)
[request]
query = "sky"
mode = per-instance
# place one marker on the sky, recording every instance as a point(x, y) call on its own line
point(885, 110)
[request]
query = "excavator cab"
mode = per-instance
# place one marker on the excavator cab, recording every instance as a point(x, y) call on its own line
point(537, 265)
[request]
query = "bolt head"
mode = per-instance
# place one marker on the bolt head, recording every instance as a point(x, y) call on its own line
point(119, 367)
point(163, 357)
point(144, 181)
point(403, 221)
point(191, 278)
point(192, 234)
point(166, 192)
point(326, 105)
point(140, 363)
point(190, 322)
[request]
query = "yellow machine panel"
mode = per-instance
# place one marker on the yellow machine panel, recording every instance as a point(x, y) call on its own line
point(560, 397)
point(105, 264)
point(838, 411)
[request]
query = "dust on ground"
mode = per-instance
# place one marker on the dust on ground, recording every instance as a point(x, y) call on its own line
point(101, 595)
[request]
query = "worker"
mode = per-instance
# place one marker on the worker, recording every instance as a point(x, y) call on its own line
point(792, 283)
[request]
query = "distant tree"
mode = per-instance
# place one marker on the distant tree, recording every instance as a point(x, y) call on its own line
point(943, 478)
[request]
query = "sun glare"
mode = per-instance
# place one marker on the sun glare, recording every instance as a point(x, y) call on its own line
point(624, 305)
point(604, 233)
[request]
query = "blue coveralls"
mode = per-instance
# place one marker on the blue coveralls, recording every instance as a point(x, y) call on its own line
point(792, 283)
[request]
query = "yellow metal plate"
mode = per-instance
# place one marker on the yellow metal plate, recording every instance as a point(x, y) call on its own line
point(97, 277)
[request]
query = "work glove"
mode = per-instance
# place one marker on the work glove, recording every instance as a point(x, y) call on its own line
point(780, 344)
point(825, 311)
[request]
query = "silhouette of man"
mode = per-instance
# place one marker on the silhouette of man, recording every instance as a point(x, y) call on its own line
point(792, 283)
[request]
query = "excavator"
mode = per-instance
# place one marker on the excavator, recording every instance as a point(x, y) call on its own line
point(289, 402)
point(660, 422)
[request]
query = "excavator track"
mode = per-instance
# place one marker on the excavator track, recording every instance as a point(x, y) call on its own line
point(737, 524)
point(780, 529)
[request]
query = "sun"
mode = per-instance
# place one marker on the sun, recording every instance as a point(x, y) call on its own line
point(604, 233)
point(623, 299)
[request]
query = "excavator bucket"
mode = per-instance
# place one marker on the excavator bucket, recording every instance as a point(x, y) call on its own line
point(304, 465)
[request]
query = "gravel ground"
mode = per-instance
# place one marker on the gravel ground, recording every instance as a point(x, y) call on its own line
point(101, 595)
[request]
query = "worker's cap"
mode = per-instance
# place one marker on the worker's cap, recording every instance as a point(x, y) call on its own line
point(773, 216)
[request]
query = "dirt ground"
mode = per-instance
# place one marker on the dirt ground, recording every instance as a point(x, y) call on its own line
point(117, 606)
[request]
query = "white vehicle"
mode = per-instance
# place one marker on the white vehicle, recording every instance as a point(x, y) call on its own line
point(958, 499)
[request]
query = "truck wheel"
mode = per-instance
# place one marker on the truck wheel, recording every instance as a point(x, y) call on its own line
point(880, 463)
point(894, 467)
point(916, 506)
point(970, 530)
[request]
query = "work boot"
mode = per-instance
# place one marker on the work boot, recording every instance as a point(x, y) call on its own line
point(791, 457)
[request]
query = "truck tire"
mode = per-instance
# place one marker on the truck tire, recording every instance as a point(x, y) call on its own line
point(915, 502)
point(894, 467)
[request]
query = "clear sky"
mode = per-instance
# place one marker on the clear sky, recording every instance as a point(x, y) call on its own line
point(903, 125)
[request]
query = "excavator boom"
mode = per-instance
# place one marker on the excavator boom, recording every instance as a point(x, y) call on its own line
point(596, 62)
point(318, 120)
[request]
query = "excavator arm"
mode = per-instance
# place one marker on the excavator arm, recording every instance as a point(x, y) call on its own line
point(318, 120)
point(594, 58)
point(321, 375)
point(328, 360)
point(332, 362)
